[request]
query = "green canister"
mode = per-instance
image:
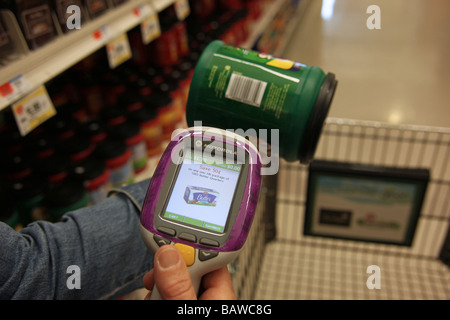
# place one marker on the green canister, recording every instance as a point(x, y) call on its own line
point(235, 88)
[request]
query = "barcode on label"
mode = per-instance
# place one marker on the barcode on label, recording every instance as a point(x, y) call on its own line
point(245, 89)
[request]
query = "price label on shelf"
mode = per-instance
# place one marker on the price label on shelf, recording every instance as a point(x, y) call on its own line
point(150, 28)
point(182, 9)
point(118, 50)
point(143, 10)
point(33, 110)
point(14, 89)
point(102, 34)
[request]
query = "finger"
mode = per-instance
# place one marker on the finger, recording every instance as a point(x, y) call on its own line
point(149, 280)
point(172, 276)
point(218, 285)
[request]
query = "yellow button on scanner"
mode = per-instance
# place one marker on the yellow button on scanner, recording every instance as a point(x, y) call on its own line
point(187, 252)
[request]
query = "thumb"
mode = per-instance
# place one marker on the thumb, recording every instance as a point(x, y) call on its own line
point(172, 276)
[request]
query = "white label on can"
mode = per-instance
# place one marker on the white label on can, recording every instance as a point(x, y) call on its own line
point(245, 89)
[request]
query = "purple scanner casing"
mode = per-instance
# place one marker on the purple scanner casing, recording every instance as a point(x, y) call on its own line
point(246, 197)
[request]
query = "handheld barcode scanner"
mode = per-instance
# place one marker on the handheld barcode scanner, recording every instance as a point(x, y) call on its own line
point(202, 198)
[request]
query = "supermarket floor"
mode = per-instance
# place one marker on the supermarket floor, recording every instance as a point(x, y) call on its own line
point(398, 74)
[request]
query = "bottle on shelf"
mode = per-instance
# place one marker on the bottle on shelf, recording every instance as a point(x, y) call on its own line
point(36, 21)
point(96, 8)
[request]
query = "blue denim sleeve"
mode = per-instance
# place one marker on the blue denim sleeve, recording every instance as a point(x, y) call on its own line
point(102, 242)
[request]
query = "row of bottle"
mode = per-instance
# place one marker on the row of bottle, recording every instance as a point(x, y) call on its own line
point(152, 73)
point(229, 21)
point(105, 93)
point(66, 163)
point(37, 18)
point(41, 22)
point(108, 124)
point(90, 99)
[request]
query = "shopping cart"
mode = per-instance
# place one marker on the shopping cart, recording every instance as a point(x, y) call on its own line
point(280, 262)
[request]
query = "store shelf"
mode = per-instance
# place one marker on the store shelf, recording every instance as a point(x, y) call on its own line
point(291, 27)
point(269, 13)
point(39, 66)
point(264, 26)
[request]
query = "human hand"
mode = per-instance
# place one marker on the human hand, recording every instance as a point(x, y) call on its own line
point(174, 281)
